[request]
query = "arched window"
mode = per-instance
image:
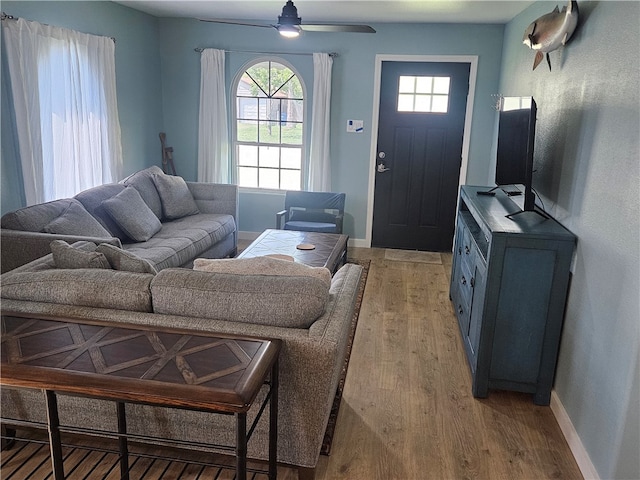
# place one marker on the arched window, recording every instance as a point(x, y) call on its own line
point(269, 134)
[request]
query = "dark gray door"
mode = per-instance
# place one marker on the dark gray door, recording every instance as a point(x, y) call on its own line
point(420, 132)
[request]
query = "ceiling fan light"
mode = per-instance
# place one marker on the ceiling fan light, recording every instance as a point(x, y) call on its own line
point(288, 31)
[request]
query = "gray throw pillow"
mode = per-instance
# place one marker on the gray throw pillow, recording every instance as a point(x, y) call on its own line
point(66, 256)
point(132, 215)
point(177, 201)
point(75, 220)
point(122, 260)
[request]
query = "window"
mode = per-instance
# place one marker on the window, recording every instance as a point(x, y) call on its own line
point(423, 94)
point(68, 132)
point(269, 127)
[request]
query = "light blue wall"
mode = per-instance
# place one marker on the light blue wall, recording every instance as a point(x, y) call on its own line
point(352, 95)
point(137, 76)
point(587, 159)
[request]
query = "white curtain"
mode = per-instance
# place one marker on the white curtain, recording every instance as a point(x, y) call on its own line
point(319, 157)
point(213, 139)
point(63, 85)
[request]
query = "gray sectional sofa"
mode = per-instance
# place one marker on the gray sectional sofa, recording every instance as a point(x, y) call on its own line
point(149, 251)
point(158, 217)
point(304, 306)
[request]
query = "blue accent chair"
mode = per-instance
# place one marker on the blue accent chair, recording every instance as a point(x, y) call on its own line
point(312, 212)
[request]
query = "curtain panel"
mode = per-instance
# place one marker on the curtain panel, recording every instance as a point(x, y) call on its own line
point(63, 85)
point(213, 137)
point(319, 157)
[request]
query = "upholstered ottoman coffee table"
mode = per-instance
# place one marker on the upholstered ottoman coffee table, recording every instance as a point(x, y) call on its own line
point(329, 249)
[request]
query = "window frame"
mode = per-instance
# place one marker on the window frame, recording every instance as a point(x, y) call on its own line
point(304, 167)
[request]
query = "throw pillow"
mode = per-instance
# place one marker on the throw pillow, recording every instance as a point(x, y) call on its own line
point(75, 220)
point(66, 256)
point(177, 201)
point(262, 266)
point(143, 182)
point(120, 259)
point(132, 215)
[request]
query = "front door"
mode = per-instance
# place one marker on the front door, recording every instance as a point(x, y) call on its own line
point(420, 132)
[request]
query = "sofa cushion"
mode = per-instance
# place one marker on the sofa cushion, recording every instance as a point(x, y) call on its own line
point(35, 217)
point(142, 181)
point(92, 200)
point(177, 201)
point(132, 215)
point(99, 288)
point(76, 221)
point(66, 256)
point(266, 265)
point(182, 240)
point(273, 295)
point(122, 260)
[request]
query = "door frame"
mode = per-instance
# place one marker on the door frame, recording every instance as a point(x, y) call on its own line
point(472, 60)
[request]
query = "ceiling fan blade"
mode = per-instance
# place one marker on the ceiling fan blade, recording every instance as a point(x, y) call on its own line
point(312, 27)
point(236, 22)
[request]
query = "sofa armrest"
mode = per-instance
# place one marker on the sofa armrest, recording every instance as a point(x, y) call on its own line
point(282, 217)
point(215, 198)
point(19, 247)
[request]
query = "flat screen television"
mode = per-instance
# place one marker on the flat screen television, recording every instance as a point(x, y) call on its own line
point(516, 137)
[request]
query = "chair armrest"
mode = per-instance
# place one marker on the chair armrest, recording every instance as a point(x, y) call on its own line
point(20, 247)
point(282, 217)
point(339, 219)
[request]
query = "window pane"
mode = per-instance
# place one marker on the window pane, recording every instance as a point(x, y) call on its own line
point(247, 131)
point(405, 103)
point(441, 85)
point(291, 158)
point(407, 84)
point(248, 155)
point(259, 79)
point(269, 109)
point(248, 177)
point(269, 132)
point(290, 179)
point(269, 178)
point(270, 157)
point(423, 103)
point(247, 108)
point(292, 134)
point(424, 84)
point(440, 103)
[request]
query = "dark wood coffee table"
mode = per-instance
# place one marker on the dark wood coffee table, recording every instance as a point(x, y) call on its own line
point(330, 248)
point(149, 365)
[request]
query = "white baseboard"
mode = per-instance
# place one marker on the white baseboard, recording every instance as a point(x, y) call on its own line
point(589, 472)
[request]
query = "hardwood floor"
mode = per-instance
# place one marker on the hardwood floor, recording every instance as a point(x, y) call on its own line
point(407, 411)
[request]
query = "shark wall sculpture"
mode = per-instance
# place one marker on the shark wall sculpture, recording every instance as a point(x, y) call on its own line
point(550, 31)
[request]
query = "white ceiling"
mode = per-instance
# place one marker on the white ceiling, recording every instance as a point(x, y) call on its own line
point(339, 11)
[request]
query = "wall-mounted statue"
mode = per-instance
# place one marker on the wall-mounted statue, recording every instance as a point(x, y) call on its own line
point(548, 32)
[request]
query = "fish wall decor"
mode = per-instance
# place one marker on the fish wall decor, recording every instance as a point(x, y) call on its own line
point(550, 31)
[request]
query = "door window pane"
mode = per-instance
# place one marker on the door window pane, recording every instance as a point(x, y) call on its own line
point(425, 94)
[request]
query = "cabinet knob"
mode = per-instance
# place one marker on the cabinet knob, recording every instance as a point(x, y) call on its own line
point(467, 250)
point(472, 282)
point(463, 280)
point(460, 310)
point(459, 250)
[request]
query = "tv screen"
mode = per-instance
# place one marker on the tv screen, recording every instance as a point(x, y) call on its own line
point(516, 135)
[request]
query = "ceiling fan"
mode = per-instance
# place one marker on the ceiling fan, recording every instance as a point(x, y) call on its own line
point(290, 24)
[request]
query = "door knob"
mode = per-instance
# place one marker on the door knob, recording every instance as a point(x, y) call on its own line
point(382, 168)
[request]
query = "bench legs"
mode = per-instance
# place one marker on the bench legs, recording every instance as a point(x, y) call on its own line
point(55, 441)
point(122, 441)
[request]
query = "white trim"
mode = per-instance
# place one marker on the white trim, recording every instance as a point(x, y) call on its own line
point(473, 61)
point(583, 460)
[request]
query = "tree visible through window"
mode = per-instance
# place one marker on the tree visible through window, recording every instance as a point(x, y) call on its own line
point(269, 127)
